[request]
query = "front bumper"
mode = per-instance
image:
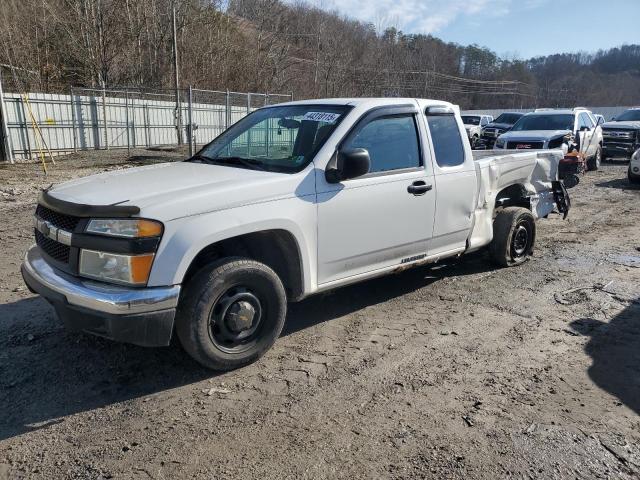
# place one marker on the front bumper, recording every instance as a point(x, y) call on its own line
point(142, 316)
point(618, 150)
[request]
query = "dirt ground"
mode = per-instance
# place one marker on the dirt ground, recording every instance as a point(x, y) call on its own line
point(454, 371)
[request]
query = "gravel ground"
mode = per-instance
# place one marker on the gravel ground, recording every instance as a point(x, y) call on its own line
point(454, 371)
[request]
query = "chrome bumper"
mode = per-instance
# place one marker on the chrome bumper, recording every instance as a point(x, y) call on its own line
point(95, 296)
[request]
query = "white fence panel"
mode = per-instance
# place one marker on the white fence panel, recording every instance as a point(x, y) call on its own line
point(78, 123)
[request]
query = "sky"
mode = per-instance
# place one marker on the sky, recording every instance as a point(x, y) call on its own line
point(511, 28)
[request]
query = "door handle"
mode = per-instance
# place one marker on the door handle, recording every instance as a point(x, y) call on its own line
point(419, 188)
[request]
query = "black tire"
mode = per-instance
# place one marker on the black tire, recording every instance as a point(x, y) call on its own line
point(232, 312)
point(474, 142)
point(594, 163)
point(635, 179)
point(514, 235)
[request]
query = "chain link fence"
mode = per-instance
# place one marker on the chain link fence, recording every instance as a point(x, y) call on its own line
point(94, 118)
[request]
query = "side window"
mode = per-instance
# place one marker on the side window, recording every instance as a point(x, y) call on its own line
point(392, 142)
point(583, 121)
point(590, 120)
point(447, 142)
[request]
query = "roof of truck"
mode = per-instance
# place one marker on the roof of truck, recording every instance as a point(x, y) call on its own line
point(361, 101)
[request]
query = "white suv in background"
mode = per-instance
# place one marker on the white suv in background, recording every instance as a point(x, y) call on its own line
point(556, 128)
point(473, 124)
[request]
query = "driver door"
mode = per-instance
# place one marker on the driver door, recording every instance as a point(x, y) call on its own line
point(383, 218)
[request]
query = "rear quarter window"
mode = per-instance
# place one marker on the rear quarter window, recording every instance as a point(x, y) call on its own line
point(447, 140)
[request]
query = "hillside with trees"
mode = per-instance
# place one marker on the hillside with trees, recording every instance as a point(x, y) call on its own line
point(270, 46)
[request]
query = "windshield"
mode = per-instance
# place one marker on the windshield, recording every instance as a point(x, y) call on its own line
point(544, 122)
point(508, 118)
point(470, 120)
point(281, 138)
point(629, 116)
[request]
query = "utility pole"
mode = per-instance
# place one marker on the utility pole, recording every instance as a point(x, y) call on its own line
point(175, 70)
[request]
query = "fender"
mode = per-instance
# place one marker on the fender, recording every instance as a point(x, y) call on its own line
point(184, 238)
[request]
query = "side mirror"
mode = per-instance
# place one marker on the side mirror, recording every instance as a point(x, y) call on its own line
point(613, 119)
point(584, 128)
point(346, 164)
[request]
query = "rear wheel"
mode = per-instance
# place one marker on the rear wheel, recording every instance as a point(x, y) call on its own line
point(514, 234)
point(232, 313)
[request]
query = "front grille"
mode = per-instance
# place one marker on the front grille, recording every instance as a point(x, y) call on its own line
point(525, 145)
point(60, 220)
point(619, 134)
point(55, 250)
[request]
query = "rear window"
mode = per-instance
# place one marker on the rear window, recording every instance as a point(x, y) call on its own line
point(447, 143)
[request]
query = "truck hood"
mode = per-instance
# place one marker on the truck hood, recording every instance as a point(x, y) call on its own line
point(533, 135)
point(171, 190)
point(624, 125)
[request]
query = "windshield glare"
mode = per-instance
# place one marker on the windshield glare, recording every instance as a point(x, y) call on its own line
point(509, 118)
point(281, 138)
point(470, 120)
point(544, 122)
point(629, 116)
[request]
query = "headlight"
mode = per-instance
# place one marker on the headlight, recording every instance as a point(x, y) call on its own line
point(125, 227)
point(116, 268)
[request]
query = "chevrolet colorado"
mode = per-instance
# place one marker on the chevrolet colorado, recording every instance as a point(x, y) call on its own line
point(292, 200)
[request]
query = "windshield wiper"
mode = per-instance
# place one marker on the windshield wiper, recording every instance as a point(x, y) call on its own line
point(245, 162)
point(198, 157)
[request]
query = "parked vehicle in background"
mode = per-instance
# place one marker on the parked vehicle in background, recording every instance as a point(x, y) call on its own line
point(621, 136)
point(497, 127)
point(634, 168)
point(336, 191)
point(473, 124)
point(574, 131)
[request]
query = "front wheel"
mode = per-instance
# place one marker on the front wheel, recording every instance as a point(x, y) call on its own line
point(232, 312)
point(514, 234)
point(635, 179)
point(594, 163)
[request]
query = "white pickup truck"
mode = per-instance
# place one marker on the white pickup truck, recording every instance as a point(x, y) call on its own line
point(292, 200)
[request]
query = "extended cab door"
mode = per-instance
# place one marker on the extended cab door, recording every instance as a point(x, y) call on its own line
point(384, 218)
point(455, 178)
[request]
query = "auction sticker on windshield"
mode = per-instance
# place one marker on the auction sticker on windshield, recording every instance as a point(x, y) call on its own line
point(321, 117)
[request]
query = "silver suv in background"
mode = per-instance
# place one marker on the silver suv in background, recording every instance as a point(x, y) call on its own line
point(568, 129)
point(473, 124)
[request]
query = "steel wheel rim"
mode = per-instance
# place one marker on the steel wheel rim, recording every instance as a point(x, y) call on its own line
point(224, 333)
point(520, 241)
